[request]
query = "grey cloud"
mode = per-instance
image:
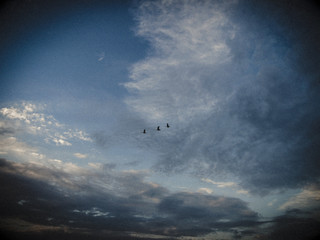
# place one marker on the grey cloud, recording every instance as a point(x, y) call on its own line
point(253, 115)
point(5, 130)
point(144, 209)
point(127, 129)
point(58, 203)
point(295, 224)
point(192, 211)
point(150, 209)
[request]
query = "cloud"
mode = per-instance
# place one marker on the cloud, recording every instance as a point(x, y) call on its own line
point(29, 117)
point(26, 113)
point(166, 86)
point(80, 155)
point(101, 56)
point(294, 224)
point(61, 142)
point(273, 201)
point(79, 199)
point(232, 185)
point(308, 198)
point(219, 184)
point(11, 146)
point(21, 202)
point(205, 190)
point(94, 212)
point(14, 148)
point(231, 77)
point(211, 208)
point(6, 128)
point(242, 191)
point(195, 213)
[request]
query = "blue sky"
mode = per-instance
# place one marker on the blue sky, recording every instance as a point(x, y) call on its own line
point(237, 81)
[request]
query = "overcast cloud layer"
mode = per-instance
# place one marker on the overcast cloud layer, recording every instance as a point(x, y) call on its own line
point(238, 82)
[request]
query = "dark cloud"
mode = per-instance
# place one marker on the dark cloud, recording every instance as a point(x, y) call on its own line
point(210, 208)
point(58, 205)
point(48, 206)
point(37, 206)
point(295, 225)
point(197, 212)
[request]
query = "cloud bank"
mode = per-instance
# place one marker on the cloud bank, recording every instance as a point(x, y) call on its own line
point(76, 203)
point(238, 82)
point(112, 201)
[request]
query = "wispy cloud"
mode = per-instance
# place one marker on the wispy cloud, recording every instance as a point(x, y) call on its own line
point(205, 190)
point(220, 184)
point(80, 155)
point(308, 198)
point(101, 56)
point(186, 40)
point(226, 77)
point(232, 185)
point(94, 212)
point(11, 146)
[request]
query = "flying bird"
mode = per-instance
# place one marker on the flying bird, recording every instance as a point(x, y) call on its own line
point(144, 131)
point(158, 128)
point(168, 125)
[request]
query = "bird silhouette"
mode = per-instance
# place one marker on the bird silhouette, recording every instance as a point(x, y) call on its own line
point(144, 131)
point(158, 128)
point(168, 125)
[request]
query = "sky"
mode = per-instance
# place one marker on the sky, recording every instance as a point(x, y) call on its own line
point(238, 82)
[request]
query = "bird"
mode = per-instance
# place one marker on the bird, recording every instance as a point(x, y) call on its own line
point(158, 128)
point(144, 131)
point(168, 125)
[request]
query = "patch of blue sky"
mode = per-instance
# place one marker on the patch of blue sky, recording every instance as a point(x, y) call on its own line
point(85, 54)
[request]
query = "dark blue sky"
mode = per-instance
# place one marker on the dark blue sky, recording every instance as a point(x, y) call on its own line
point(53, 52)
point(238, 82)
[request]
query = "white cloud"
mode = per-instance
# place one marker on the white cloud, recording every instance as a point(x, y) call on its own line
point(95, 212)
point(101, 56)
point(28, 117)
point(95, 165)
point(17, 150)
point(11, 146)
point(187, 40)
point(27, 113)
point(80, 155)
point(78, 134)
point(306, 199)
point(220, 184)
point(232, 185)
point(205, 190)
point(61, 142)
